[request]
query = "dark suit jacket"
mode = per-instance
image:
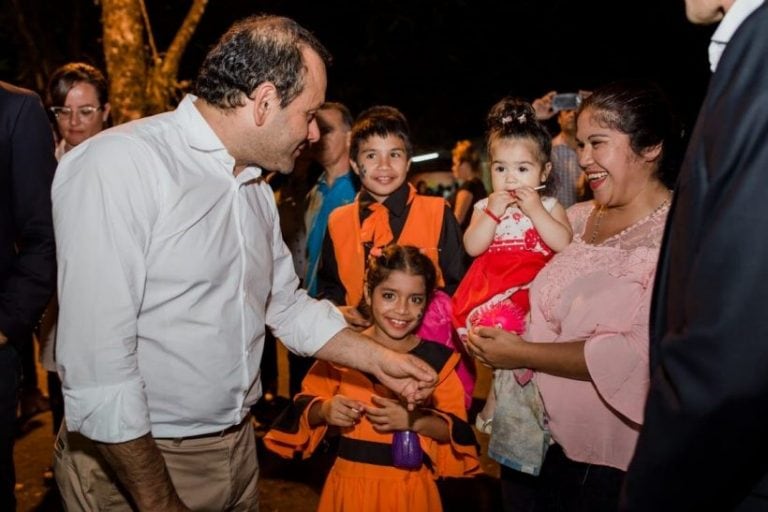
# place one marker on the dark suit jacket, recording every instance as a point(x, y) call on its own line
point(27, 250)
point(704, 444)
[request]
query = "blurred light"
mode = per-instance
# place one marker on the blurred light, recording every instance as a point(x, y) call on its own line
point(424, 157)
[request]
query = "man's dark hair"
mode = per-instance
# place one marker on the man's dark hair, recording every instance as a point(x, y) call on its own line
point(253, 51)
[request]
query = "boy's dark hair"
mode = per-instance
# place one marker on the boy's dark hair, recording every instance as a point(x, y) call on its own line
point(642, 111)
point(405, 258)
point(381, 120)
point(514, 118)
point(255, 50)
point(67, 76)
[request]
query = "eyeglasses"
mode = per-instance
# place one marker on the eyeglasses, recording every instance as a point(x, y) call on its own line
point(85, 113)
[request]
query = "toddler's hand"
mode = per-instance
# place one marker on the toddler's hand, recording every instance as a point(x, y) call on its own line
point(499, 201)
point(341, 411)
point(527, 200)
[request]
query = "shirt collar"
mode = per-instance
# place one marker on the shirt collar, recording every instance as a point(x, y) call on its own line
point(735, 16)
point(201, 136)
point(323, 179)
point(395, 202)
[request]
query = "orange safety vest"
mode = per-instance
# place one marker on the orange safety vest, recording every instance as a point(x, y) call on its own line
point(422, 229)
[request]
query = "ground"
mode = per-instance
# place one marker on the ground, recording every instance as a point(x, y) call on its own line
point(284, 485)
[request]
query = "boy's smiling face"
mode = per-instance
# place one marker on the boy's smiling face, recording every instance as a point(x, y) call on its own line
point(382, 164)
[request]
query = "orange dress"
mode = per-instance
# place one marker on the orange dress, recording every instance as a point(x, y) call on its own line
point(363, 478)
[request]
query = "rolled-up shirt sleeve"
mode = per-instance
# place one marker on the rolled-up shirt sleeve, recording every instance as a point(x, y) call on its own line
point(103, 206)
point(302, 323)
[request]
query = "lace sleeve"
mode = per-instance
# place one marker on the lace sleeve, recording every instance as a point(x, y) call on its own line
point(578, 215)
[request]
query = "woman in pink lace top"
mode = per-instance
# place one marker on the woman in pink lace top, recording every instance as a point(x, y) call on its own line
point(588, 335)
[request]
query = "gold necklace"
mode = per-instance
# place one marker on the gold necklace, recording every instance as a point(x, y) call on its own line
point(601, 213)
point(596, 228)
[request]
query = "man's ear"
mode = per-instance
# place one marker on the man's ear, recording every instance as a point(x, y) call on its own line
point(265, 102)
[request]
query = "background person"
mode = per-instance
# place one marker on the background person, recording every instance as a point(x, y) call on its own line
point(570, 187)
point(77, 95)
point(703, 443)
point(336, 186)
point(587, 339)
point(27, 251)
point(467, 170)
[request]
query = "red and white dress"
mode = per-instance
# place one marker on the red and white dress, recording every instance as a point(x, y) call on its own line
point(506, 268)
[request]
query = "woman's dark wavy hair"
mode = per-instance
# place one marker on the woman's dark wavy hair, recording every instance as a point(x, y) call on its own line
point(67, 76)
point(641, 110)
point(514, 118)
point(381, 120)
point(255, 50)
point(405, 258)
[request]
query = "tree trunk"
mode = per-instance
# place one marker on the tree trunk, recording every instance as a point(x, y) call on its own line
point(140, 83)
point(163, 84)
point(126, 58)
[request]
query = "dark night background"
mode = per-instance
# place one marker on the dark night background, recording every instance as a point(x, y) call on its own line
point(443, 63)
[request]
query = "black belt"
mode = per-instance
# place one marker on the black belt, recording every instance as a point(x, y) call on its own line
point(368, 452)
point(220, 433)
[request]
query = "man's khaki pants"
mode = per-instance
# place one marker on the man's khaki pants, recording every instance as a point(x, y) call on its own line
point(210, 474)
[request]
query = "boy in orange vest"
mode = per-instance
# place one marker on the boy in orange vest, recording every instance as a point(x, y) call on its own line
point(387, 210)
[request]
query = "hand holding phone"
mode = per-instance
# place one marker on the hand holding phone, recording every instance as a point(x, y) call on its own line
point(566, 101)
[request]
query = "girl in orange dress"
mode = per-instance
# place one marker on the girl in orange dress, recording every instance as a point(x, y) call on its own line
point(399, 282)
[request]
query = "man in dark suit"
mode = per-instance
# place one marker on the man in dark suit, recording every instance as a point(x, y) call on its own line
point(27, 249)
point(704, 444)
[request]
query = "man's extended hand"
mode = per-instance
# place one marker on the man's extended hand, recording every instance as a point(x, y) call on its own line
point(404, 374)
point(408, 376)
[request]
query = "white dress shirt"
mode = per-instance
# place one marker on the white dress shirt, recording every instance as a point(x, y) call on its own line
point(735, 16)
point(169, 269)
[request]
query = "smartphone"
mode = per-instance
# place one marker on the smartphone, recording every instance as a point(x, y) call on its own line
point(566, 101)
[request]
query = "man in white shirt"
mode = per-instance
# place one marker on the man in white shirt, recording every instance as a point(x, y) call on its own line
point(703, 444)
point(171, 262)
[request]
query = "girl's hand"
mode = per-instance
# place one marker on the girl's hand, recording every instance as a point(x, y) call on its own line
point(388, 415)
point(499, 201)
point(528, 200)
point(341, 411)
point(496, 348)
